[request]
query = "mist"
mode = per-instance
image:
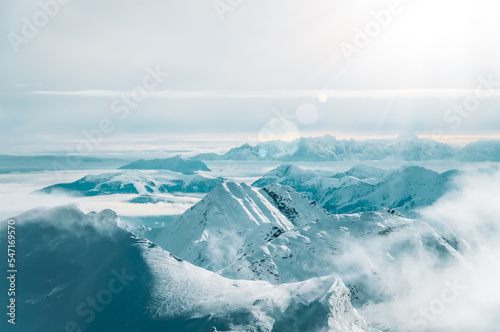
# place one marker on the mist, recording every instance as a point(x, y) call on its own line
point(459, 294)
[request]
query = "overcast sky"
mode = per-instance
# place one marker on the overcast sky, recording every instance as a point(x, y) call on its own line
point(237, 68)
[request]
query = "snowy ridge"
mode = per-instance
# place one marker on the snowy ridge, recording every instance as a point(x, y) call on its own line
point(136, 182)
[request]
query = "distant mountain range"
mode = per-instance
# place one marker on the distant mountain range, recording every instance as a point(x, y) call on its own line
point(329, 148)
point(175, 164)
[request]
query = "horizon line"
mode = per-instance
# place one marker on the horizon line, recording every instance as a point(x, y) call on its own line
point(276, 94)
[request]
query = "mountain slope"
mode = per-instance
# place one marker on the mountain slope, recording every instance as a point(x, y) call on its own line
point(175, 164)
point(405, 190)
point(83, 271)
point(293, 205)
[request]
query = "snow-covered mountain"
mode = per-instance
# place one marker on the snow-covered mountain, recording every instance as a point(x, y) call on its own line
point(364, 188)
point(175, 164)
point(309, 180)
point(329, 148)
point(82, 271)
point(234, 219)
point(278, 235)
point(233, 231)
point(236, 228)
point(228, 222)
point(136, 182)
point(292, 176)
point(405, 190)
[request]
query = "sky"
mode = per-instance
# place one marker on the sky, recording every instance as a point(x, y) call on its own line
point(140, 74)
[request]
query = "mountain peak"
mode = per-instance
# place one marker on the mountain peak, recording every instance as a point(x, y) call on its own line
point(228, 209)
point(175, 164)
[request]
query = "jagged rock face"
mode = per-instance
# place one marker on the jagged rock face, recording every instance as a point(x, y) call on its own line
point(295, 206)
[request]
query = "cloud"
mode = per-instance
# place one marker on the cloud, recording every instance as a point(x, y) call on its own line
point(463, 296)
point(278, 94)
